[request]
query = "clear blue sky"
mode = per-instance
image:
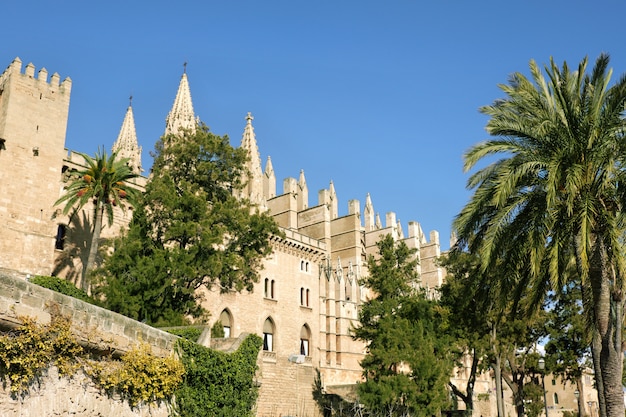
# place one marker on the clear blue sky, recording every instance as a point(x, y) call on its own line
point(380, 97)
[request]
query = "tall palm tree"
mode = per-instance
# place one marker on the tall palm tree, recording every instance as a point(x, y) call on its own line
point(555, 198)
point(105, 183)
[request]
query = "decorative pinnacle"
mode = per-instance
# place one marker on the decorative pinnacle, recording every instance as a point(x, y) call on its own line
point(185, 67)
point(249, 117)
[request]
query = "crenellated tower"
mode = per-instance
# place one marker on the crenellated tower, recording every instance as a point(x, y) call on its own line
point(33, 123)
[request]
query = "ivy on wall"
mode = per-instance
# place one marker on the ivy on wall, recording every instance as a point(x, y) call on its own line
point(28, 351)
point(217, 383)
point(201, 381)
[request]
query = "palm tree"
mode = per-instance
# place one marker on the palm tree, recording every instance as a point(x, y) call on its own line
point(555, 199)
point(105, 182)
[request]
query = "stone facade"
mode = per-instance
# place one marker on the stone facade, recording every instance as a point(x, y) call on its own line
point(308, 297)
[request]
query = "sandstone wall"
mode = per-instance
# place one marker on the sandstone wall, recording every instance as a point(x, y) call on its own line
point(96, 328)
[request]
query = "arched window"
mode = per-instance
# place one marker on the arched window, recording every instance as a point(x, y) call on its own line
point(266, 289)
point(272, 294)
point(301, 296)
point(307, 297)
point(268, 335)
point(556, 398)
point(305, 338)
point(226, 320)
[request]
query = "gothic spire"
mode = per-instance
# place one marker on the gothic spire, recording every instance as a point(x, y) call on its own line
point(181, 116)
point(269, 181)
point(303, 192)
point(369, 214)
point(126, 144)
point(254, 189)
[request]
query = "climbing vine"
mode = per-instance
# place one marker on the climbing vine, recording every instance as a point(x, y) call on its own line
point(29, 350)
point(139, 377)
point(218, 383)
point(202, 382)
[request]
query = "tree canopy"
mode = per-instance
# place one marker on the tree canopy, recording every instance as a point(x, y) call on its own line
point(190, 232)
point(406, 367)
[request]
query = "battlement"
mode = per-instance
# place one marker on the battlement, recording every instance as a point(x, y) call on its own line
point(15, 69)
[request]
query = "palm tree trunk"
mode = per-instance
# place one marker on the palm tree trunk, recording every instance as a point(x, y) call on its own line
point(93, 246)
point(497, 372)
point(581, 397)
point(609, 315)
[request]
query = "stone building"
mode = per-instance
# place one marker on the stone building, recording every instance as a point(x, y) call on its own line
point(308, 297)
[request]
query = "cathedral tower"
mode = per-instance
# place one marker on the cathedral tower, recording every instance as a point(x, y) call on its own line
point(33, 122)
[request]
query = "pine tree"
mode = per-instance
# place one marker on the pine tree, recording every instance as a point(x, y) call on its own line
point(406, 367)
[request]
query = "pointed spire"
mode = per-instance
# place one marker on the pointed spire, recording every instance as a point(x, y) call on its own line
point(254, 189)
point(334, 205)
point(181, 116)
point(269, 180)
point(303, 192)
point(399, 230)
point(368, 213)
point(126, 144)
point(378, 223)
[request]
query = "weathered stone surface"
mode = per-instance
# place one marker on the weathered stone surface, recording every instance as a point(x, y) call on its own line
point(78, 397)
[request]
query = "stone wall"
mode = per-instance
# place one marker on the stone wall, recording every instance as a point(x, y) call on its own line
point(96, 328)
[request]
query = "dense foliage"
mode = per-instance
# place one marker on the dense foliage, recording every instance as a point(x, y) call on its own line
point(407, 364)
point(190, 231)
point(64, 287)
point(217, 383)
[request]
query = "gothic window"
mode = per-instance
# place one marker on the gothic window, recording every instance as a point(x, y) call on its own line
point(307, 297)
point(305, 338)
point(556, 398)
point(226, 320)
point(60, 238)
point(301, 296)
point(266, 290)
point(272, 295)
point(268, 335)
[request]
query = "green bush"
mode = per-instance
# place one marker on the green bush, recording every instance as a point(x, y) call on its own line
point(190, 333)
point(217, 383)
point(64, 287)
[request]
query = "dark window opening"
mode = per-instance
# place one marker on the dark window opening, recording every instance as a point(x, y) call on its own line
point(60, 238)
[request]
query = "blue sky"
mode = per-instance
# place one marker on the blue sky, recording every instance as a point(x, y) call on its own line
point(379, 97)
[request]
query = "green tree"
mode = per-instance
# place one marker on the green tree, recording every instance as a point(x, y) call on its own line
point(567, 349)
point(467, 297)
point(190, 232)
point(105, 183)
point(406, 367)
point(556, 196)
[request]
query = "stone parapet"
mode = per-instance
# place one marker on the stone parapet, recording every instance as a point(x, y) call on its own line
point(95, 327)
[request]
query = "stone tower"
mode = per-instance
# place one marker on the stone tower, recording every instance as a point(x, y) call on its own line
point(33, 122)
